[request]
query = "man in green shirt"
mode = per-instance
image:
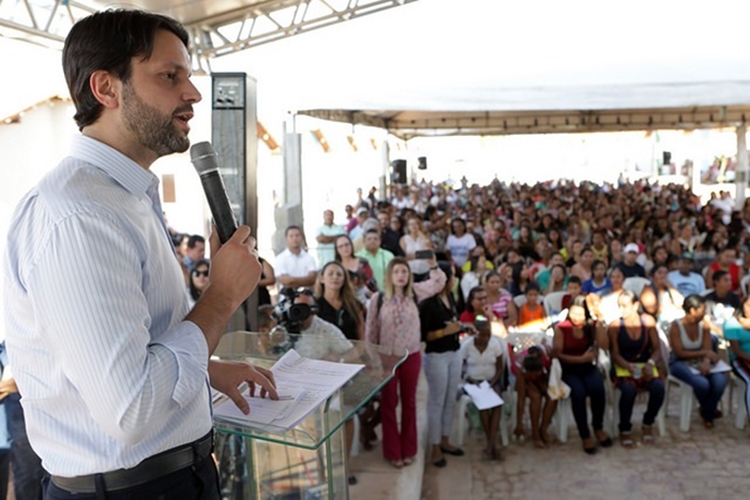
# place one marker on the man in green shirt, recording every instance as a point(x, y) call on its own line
point(376, 256)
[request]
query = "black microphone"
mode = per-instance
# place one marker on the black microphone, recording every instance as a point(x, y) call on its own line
point(205, 161)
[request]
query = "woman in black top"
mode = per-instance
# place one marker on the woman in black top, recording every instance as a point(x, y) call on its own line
point(440, 330)
point(337, 304)
point(267, 278)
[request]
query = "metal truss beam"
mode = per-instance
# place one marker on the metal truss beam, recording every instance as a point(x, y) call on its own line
point(272, 20)
point(45, 22)
point(407, 125)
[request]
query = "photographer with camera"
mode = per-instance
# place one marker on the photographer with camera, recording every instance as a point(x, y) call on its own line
point(318, 338)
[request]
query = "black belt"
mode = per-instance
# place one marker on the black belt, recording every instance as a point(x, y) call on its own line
point(149, 469)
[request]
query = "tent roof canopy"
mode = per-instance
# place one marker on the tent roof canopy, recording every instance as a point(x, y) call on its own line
point(409, 124)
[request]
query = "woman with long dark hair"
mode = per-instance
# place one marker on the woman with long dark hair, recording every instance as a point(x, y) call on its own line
point(576, 346)
point(344, 251)
point(337, 302)
point(338, 305)
point(440, 331)
point(198, 280)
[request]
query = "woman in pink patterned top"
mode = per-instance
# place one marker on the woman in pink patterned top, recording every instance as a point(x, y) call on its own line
point(393, 324)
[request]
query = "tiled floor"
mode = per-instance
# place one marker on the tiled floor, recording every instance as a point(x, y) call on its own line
point(701, 464)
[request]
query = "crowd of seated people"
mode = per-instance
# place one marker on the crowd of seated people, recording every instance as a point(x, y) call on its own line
point(639, 268)
point(512, 245)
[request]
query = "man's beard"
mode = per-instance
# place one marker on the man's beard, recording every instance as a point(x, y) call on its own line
point(153, 129)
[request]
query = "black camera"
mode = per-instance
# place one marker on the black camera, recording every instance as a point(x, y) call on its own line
point(290, 315)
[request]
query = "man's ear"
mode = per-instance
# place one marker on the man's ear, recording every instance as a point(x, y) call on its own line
point(106, 88)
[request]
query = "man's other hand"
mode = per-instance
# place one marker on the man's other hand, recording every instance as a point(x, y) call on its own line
point(227, 376)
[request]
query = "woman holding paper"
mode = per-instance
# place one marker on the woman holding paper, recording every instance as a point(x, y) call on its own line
point(693, 360)
point(635, 351)
point(483, 355)
point(575, 345)
point(393, 324)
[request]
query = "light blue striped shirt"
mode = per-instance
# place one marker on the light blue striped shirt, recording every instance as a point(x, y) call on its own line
point(95, 303)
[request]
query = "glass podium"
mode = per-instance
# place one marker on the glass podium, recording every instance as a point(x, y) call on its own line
point(307, 462)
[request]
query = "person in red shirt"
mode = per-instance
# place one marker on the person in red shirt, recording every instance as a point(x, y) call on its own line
point(476, 304)
point(726, 261)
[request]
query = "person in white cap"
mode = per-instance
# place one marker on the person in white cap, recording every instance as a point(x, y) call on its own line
point(629, 266)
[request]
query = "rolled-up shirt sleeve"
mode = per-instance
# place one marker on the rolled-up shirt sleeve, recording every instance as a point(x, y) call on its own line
point(96, 312)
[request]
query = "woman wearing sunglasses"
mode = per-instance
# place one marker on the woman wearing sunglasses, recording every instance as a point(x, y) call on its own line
point(198, 281)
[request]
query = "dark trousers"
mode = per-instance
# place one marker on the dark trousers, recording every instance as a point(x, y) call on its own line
point(629, 391)
point(26, 465)
point(583, 384)
point(199, 482)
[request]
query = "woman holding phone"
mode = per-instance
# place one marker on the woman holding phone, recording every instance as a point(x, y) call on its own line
point(414, 243)
point(440, 330)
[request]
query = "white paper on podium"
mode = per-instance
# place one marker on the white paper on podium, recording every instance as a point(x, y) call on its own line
point(303, 384)
point(483, 396)
point(719, 367)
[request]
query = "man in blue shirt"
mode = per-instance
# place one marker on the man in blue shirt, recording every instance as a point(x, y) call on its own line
point(684, 279)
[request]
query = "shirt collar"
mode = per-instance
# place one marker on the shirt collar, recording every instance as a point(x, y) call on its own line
point(122, 169)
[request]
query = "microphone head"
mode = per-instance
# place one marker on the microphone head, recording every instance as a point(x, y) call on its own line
point(203, 157)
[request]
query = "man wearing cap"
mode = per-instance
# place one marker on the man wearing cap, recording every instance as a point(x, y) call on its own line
point(684, 279)
point(357, 231)
point(629, 267)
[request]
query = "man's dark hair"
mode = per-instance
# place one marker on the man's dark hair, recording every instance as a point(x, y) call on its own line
point(718, 275)
point(289, 228)
point(372, 231)
point(195, 239)
point(575, 279)
point(108, 41)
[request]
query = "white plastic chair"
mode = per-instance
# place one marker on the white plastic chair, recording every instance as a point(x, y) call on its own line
point(738, 390)
point(686, 401)
point(461, 419)
point(560, 419)
point(519, 300)
point(635, 284)
point(463, 423)
point(744, 285)
point(553, 303)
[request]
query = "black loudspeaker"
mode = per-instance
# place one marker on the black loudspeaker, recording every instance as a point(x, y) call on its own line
point(666, 158)
point(398, 175)
point(422, 163)
point(234, 133)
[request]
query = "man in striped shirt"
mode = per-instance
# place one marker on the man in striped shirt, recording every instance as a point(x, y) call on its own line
point(111, 364)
